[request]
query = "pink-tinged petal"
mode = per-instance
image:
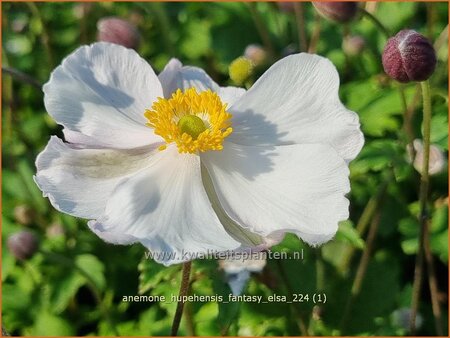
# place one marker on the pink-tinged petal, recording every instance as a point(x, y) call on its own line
point(79, 181)
point(102, 91)
point(296, 102)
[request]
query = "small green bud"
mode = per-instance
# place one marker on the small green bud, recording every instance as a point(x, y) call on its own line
point(240, 70)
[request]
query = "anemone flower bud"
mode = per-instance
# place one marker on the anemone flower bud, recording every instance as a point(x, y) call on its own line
point(336, 10)
point(240, 70)
point(22, 244)
point(285, 6)
point(118, 31)
point(24, 215)
point(256, 54)
point(436, 161)
point(353, 45)
point(409, 56)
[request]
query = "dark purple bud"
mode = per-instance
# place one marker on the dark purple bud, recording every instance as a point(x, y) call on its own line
point(23, 244)
point(409, 56)
point(285, 6)
point(336, 10)
point(118, 31)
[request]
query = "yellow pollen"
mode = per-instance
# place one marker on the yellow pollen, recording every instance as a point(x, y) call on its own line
point(195, 122)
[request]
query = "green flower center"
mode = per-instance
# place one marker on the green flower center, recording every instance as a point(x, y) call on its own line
point(192, 125)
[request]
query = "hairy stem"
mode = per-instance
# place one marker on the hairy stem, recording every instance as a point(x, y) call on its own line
point(376, 22)
point(424, 183)
point(262, 30)
point(433, 285)
point(300, 21)
point(362, 268)
point(315, 36)
point(184, 288)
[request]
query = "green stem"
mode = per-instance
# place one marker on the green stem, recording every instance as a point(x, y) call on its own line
point(165, 26)
point(423, 197)
point(7, 92)
point(407, 122)
point(433, 285)
point(262, 30)
point(300, 21)
point(45, 39)
point(184, 288)
point(301, 321)
point(320, 271)
point(22, 77)
point(376, 22)
point(315, 36)
point(364, 221)
point(362, 268)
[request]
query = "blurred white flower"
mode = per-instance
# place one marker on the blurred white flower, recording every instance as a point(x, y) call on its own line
point(436, 162)
point(206, 168)
point(237, 270)
point(402, 317)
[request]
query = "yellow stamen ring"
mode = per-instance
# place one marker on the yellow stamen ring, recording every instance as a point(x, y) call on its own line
point(194, 121)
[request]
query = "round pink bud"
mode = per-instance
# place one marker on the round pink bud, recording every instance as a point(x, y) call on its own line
point(409, 56)
point(118, 31)
point(336, 10)
point(353, 45)
point(256, 54)
point(23, 244)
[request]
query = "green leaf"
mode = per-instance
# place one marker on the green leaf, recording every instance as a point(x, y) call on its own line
point(151, 274)
point(51, 325)
point(439, 130)
point(197, 43)
point(378, 155)
point(63, 290)
point(348, 234)
point(228, 311)
point(93, 267)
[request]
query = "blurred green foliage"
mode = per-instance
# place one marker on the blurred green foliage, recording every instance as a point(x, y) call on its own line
point(74, 285)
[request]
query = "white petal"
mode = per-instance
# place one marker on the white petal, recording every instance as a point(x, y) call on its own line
point(176, 76)
point(102, 91)
point(78, 139)
point(291, 188)
point(230, 95)
point(166, 208)
point(79, 181)
point(296, 101)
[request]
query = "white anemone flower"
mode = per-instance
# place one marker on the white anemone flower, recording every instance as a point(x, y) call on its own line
point(186, 167)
